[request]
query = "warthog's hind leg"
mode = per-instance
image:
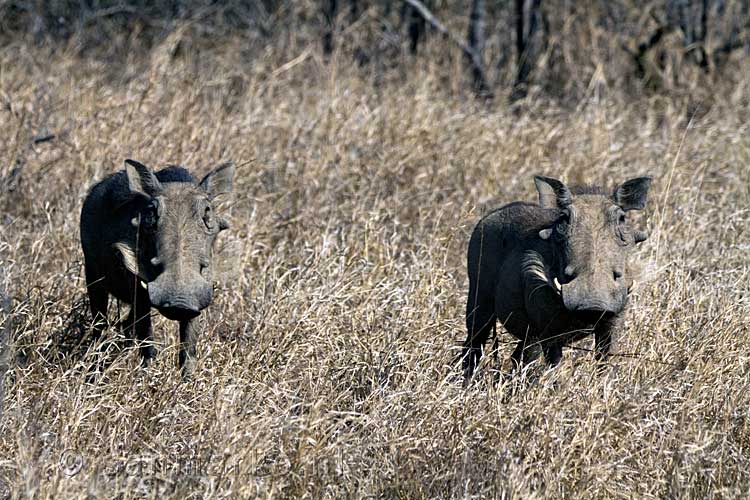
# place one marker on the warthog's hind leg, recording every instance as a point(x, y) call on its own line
point(480, 320)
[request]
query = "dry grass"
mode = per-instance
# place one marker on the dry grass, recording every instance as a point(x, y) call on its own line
point(324, 366)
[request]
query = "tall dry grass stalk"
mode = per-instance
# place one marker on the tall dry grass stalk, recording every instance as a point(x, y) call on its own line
point(324, 367)
point(5, 307)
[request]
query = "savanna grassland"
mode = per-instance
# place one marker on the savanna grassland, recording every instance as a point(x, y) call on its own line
point(325, 366)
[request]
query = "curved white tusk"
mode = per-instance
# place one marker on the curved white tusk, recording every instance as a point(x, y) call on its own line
point(143, 284)
point(557, 285)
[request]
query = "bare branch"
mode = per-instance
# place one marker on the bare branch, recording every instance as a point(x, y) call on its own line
point(526, 21)
point(329, 14)
point(640, 52)
point(474, 59)
point(476, 43)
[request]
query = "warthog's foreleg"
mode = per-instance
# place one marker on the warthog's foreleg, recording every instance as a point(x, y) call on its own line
point(553, 336)
point(544, 308)
point(552, 352)
point(138, 326)
point(188, 345)
point(602, 345)
point(98, 300)
point(525, 352)
point(604, 333)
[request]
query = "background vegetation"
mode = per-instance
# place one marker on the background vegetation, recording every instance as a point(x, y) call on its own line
point(325, 365)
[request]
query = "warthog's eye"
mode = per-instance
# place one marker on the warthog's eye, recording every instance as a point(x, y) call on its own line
point(208, 219)
point(561, 225)
point(618, 222)
point(622, 233)
point(151, 215)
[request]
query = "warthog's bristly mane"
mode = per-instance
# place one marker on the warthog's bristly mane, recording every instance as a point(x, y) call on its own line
point(174, 173)
point(588, 189)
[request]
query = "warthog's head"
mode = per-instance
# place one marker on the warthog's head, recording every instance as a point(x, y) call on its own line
point(177, 227)
point(591, 240)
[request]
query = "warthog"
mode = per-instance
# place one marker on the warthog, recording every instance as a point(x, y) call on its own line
point(552, 273)
point(148, 240)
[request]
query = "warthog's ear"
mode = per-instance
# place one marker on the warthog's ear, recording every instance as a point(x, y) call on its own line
point(632, 194)
point(219, 180)
point(552, 193)
point(140, 179)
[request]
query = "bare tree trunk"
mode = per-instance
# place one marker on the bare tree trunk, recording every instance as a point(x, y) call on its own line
point(693, 27)
point(520, 33)
point(704, 31)
point(476, 43)
point(704, 16)
point(468, 51)
point(329, 15)
point(527, 19)
point(415, 23)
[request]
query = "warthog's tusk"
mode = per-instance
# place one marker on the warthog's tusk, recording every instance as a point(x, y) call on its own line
point(557, 285)
point(143, 284)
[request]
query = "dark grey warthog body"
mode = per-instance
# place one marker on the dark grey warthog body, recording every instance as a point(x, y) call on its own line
point(554, 272)
point(148, 240)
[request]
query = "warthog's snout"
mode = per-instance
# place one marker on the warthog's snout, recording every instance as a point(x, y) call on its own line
point(576, 301)
point(179, 303)
point(580, 294)
point(178, 311)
